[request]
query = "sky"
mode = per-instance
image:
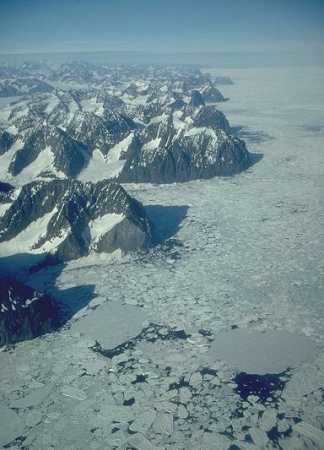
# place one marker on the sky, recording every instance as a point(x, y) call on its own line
point(161, 26)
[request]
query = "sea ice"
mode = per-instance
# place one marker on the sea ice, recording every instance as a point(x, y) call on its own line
point(262, 353)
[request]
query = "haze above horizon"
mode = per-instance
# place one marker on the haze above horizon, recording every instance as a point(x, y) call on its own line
point(28, 26)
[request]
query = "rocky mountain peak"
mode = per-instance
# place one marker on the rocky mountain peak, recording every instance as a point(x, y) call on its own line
point(69, 218)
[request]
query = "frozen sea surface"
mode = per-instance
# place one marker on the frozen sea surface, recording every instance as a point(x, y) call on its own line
point(244, 252)
point(262, 353)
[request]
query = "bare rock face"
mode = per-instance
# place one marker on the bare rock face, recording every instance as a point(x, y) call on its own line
point(68, 155)
point(211, 94)
point(6, 141)
point(196, 99)
point(209, 116)
point(182, 150)
point(6, 191)
point(69, 219)
point(24, 312)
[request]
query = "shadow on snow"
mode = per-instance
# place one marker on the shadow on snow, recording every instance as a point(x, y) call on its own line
point(166, 220)
point(41, 271)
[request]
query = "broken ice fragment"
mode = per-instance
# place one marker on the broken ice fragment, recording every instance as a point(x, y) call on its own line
point(144, 421)
point(163, 423)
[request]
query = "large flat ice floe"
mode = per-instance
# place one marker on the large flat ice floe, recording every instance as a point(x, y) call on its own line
point(111, 324)
point(262, 353)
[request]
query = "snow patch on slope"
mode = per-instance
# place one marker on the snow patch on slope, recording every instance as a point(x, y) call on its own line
point(3, 208)
point(43, 163)
point(177, 122)
point(95, 170)
point(27, 239)
point(117, 151)
point(6, 159)
point(53, 102)
point(91, 105)
point(152, 145)
point(102, 225)
point(100, 168)
point(51, 244)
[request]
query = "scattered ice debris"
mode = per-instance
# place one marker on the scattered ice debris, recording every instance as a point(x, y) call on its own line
point(143, 422)
point(163, 423)
point(262, 387)
point(309, 431)
point(152, 333)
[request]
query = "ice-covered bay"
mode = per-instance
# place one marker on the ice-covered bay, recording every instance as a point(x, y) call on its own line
point(242, 252)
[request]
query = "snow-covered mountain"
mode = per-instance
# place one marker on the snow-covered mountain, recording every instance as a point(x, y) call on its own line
point(69, 219)
point(24, 312)
point(49, 148)
point(21, 86)
point(128, 124)
point(181, 148)
point(100, 131)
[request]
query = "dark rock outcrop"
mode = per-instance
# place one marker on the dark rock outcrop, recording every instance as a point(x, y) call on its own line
point(169, 154)
point(6, 190)
point(196, 99)
point(211, 94)
point(210, 117)
point(24, 312)
point(6, 141)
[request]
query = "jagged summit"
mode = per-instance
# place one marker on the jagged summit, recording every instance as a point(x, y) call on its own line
point(48, 147)
point(210, 117)
point(129, 124)
point(210, 93)
point(68, 218)
point(102, 132)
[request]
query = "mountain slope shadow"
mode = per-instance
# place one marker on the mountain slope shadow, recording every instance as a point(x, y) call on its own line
point(251, 136)
point(72, 300)
point(165, 220)
point(255, 158)
point(42, 271)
